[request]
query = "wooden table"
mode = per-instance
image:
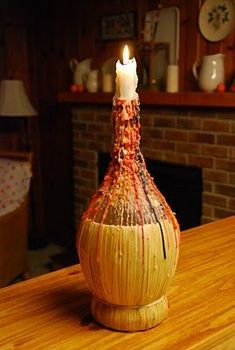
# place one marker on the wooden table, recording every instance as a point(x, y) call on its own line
point(52, 311)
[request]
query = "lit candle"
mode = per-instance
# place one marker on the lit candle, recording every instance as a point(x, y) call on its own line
point(126, 77)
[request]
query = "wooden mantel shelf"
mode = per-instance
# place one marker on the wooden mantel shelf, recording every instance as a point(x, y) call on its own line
point(154, 98)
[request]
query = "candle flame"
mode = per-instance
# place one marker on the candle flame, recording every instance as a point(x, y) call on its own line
point(125, 55)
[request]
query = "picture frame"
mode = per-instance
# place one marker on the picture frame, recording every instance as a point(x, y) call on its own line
point(118, 26)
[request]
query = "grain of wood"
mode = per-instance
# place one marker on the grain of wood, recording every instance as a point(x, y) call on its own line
point(52, 311)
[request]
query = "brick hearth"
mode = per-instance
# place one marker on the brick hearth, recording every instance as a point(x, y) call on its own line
point(190, 137)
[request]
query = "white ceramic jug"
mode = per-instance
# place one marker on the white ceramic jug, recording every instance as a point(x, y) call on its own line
point(92, 81)
point(211, 72)
point(80, 70)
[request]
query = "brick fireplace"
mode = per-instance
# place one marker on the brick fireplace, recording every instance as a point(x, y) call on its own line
point(191, 137)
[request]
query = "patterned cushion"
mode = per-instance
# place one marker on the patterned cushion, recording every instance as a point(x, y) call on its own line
point(14, 184)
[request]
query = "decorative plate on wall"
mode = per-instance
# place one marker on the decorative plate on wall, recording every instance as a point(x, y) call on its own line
point(216, 19)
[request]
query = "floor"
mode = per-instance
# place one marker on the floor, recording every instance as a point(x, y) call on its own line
point(47, 259)
point(41, 260)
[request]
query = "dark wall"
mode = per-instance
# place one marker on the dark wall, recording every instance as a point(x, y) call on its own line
point(37, 40)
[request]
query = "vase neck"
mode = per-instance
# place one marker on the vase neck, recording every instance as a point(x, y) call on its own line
point(126, 122)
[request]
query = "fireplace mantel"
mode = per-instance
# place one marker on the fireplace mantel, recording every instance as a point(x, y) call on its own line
point(201, 137)
point(154, 98)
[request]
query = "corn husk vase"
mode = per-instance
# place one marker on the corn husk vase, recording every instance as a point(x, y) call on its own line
point(128, 240)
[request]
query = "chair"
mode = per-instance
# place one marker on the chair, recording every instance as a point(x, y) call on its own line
point(14, 224)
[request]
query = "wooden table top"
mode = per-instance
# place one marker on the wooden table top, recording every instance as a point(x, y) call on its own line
point(52, 311)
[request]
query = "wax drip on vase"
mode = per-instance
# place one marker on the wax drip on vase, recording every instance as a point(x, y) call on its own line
point(128, 240)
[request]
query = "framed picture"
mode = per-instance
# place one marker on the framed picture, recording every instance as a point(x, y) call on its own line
point(120, 26)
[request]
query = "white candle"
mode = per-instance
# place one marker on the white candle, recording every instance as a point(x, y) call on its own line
point(172, 80)
point(107, 84)
point(126, 77)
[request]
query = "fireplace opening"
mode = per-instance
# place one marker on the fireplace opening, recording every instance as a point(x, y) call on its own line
point(181, 186)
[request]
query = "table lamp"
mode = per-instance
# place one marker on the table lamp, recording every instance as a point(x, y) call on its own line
point(13, 100)
point(14, 103)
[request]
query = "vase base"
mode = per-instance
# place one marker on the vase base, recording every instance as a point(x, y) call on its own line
point(129, 318)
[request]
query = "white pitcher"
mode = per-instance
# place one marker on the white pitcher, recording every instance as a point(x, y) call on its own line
point(92, 81)
point(211, 72)
point(80, 70)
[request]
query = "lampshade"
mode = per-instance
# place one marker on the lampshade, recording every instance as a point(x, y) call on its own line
point(13, 100)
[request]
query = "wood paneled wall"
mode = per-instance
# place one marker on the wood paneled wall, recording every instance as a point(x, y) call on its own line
point(37, 40)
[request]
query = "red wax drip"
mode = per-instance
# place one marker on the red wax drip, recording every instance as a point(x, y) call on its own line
point(128, 196)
